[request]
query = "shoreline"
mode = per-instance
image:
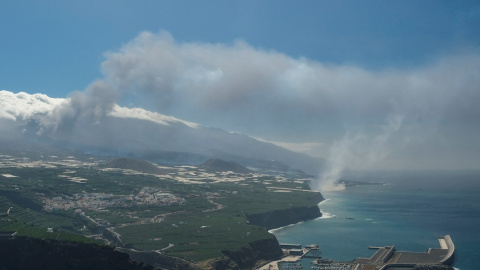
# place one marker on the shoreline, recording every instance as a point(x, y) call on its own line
point(290, 225)
point(400, 256)
point(303, 221)
point(323, 215)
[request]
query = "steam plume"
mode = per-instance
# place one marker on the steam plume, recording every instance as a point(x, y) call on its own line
point(358, 150)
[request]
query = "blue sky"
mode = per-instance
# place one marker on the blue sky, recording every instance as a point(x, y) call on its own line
point(383, 84)
point(55, 47)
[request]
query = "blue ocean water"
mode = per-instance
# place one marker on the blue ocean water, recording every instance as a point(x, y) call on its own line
point(411, 210)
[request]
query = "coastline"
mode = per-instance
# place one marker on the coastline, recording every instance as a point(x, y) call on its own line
point(322, 216)
point(280, 218)
point(272, 231)
point(290, 216)
point(383, 215)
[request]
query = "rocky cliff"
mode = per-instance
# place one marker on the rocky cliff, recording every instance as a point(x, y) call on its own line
point(284, 217)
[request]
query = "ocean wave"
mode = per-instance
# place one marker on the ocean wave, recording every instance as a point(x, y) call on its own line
point(324, 201)
point(326, 215)
point(272, 231)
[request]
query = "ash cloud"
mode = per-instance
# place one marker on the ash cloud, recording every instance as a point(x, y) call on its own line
point(370, 118)
point(81, 109)
point(214, 80)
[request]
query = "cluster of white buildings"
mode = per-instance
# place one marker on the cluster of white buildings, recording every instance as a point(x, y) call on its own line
point(96, 201)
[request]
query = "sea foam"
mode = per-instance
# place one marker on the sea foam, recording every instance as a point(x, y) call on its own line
point(324, 201)
point(326, 215)
point(272, 231)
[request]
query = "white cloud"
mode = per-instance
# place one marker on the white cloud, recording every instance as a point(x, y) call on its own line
point(22, 106)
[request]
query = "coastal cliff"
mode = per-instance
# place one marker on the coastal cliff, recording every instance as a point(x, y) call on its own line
point(284, 217)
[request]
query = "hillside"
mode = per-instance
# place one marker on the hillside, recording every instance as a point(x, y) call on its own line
point(202, 216)
point(34, 253)
point(135, 132)
point(219, 165)
point(136, 165)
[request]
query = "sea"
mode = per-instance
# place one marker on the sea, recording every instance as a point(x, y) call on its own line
point(407, 209)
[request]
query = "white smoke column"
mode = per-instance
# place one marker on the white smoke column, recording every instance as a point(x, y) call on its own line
point(80, 109)
point(360, 151)
point(338, 159)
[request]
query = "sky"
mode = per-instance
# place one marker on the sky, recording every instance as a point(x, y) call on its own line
point(365, 84)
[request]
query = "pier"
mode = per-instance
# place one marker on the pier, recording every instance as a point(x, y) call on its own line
point(295, 253)
point(385, 258)
point(389, 258)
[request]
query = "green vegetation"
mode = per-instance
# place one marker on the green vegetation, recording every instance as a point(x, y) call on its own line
point(187, 212)
point(25, 230)
point(194, 237)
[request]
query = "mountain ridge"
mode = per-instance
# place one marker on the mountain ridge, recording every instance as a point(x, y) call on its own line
point(134, 132)
point(136, 165)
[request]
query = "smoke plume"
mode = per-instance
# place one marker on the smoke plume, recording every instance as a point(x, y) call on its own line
point(360, 151)
point(387, 118)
